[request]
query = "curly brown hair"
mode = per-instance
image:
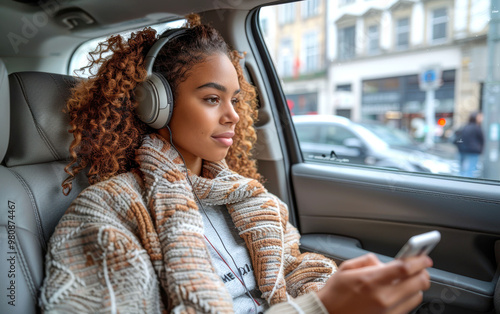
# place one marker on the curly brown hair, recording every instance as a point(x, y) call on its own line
point(103, 121)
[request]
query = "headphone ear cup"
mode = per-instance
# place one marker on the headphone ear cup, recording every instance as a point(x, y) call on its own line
point(156, 101)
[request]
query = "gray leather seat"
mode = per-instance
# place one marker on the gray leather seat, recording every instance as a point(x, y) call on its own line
point(33, 154)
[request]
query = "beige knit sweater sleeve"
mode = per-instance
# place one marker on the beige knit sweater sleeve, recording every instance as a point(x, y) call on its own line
point(308, 304)
point(95, 263)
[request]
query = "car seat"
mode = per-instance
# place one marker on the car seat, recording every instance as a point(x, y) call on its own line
point(34, 142)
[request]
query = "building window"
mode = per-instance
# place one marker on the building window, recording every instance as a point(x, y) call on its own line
point(345, 2)
point(344, 88)
point(286, 58)
point(373, 40)
point(402, 33)
point(287, 13)
point(343, 113)
point(310, 8)
point(300, 104)
point(439, 25)
point(311, 52)
point(346, 42)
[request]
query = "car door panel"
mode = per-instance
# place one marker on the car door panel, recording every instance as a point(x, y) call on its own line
point(377, 211)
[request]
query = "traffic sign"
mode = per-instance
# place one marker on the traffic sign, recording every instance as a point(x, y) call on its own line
point(430, 78)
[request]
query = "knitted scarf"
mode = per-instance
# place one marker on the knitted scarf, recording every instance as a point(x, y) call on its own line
point(186, 273)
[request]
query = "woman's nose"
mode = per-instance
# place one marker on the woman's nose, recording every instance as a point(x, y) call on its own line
point(230, 114)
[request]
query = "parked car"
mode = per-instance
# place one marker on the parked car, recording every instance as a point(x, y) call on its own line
point(326, 136)
point(341, 211)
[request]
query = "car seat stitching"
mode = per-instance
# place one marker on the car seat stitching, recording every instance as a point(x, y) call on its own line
point(37, 125)
point(36, 213)
point(26, 272)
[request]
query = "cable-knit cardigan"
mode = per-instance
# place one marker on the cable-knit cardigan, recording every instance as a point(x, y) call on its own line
point(135, 242)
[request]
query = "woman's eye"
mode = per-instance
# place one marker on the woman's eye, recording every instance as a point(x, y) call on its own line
point(235, 101)
point(212, 100)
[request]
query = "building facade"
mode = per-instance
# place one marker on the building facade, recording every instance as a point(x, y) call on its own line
point(298, 45)
point(377, 50)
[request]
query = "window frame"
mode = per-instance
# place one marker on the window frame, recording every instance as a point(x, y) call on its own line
point(343, 3)
point(346, 54)
point(373, 46)
point(441, 20)
point(310, 8)
point(285, 69)
point(398, 32)
point(409, 173)
point(84, 49)
point(286, 13)
point(312, 44)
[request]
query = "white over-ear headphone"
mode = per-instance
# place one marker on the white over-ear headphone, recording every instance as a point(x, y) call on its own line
point(154, 95)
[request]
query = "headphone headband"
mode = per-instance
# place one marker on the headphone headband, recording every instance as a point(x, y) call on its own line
point(155, 97)
point(165, 37)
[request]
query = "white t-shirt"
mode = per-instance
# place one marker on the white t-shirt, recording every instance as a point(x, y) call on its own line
point(222, 222)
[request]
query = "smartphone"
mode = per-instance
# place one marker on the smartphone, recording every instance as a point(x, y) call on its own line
point(419, 244)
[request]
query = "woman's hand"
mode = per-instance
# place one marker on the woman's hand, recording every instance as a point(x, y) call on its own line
point(366, 285)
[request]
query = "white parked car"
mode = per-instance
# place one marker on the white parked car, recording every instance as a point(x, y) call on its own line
point(322, 137)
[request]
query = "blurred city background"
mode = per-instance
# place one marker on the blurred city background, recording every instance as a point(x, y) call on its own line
point(417, 66)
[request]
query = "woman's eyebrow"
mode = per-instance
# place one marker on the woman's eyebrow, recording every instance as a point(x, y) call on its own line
point(217, 86)
point(213, 85)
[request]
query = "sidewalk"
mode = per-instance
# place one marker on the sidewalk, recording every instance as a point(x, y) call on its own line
point(444, 150)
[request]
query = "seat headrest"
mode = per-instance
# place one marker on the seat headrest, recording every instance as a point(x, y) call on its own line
point(39, 128)
point(4, 110)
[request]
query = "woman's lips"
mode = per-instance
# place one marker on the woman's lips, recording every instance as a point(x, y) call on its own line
point(225, 139)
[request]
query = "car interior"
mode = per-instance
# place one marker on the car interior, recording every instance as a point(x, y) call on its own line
point(342, 211)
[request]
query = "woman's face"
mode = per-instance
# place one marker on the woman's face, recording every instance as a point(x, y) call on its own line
point(204, 117)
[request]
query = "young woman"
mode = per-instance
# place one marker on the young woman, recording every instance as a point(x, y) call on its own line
point(175, 219)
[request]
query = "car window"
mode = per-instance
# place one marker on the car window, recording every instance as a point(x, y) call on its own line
point(336, 135)
point(390, 135)
point(308, 133)
point(80, 57)
point(411, 76)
